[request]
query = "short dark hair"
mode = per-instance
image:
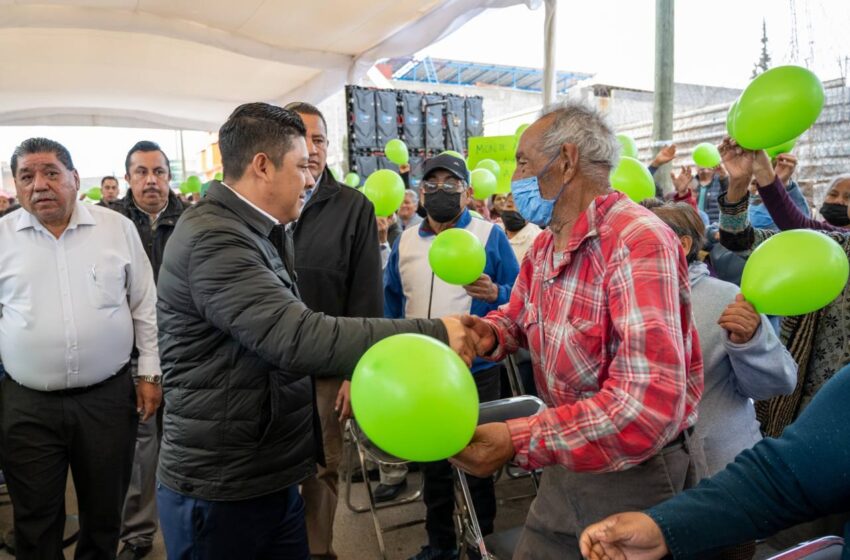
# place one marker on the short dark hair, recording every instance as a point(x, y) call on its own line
point(253, 128)
point(146, 146)
point(108, 177)
point(40, 145)
point(683, 219)
point(304, 108)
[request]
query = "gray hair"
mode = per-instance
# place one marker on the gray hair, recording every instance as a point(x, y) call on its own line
point(413, 194)
point(576, 123)
point(840, 179)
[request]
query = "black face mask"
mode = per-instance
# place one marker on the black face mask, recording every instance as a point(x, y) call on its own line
point(835, 214)
point(442, 207)
point(513, 220)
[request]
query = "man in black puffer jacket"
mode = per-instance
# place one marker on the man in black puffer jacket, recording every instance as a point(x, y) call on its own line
point(238, 348)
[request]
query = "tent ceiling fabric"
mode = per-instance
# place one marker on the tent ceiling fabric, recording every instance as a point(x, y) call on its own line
point(188, 63)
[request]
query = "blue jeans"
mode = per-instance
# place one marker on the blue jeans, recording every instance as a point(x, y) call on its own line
point(268, 527)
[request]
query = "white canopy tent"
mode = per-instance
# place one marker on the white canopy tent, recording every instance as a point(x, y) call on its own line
point(187, 63)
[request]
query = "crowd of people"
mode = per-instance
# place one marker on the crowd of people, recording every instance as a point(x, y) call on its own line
point(190, 360)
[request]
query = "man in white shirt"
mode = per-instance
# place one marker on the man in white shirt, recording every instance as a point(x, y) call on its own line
point(76, 293)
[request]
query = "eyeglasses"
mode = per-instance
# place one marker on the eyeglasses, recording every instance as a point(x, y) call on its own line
point(452, 187)
point(159, 173)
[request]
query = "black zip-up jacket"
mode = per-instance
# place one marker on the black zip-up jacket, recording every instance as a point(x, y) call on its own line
point(238, 347)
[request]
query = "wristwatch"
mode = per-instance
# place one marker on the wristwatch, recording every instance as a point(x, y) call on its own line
point(155, 379)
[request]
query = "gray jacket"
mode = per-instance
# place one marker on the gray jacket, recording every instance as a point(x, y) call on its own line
point(735, 374)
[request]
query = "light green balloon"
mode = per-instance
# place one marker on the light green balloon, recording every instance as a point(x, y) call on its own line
point(396, 152)
point(777, 106)
point(520, 129)
point(385, 188)
point(490, 165)
point(94, 194)
point(795, 272)
point(633, 179)
point(627, 143)
point(219, 176)
point(352, 179)
point(453, 153)
point(730, 119)
point(706, 155)
point(184, 188)
point(483, 183)
point(475, 214)
point(457, 257)
point(415, 398)
point(193, 183)
point(782, 148)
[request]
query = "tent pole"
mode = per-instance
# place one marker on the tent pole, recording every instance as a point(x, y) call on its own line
point(550, 30)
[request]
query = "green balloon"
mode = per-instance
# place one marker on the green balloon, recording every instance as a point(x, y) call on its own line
point(483, 183)
point(490, 165)
point(352, 179)
point(184, 188)
point(453, 153)
point(475, 214)
point(520, 129)
point(782, 148)
point(94, 194)
point(629, 148)
point(706, 155)
point(415, 398)
point(730, 119)
point(457, 257)
point(633, 179)
point(193, 183)
point(777, 106)
point(795, 272)
point(385, 188)
point(219, 176)
point(396, 152)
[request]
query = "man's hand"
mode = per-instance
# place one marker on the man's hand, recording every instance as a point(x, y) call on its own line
point(404, 168)
point(741, 320)
point(739, 165)
point(383, 228)
point(484, 289)
point(342, 406)
point(785, 166)
point(483, 335)
point(665, 155)
point(490, 448)
point(625, 536)
point(148, 398)
point(682, 181)
point(460, 339)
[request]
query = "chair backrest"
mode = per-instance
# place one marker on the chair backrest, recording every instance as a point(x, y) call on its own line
point(373, 451)
point(508, 409)
point(825, 548)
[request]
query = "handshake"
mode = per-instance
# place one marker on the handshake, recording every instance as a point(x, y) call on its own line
point(469, 336)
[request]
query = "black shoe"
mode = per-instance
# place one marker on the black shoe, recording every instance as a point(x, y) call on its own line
point(389, 492)
point(428, 552)
point(374, 475)
point(133, 552)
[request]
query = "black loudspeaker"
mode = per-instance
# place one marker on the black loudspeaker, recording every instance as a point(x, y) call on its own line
point(412, 120)
point(386, 116)
point(434, 123)
point(455, 123)
point(474, 116)
point(365, 165)
point(364, 135)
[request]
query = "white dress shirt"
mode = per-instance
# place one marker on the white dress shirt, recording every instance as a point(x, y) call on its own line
point(70, 308)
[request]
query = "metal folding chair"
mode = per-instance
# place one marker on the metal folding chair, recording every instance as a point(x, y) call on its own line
point(359, 447)
point(494, 411)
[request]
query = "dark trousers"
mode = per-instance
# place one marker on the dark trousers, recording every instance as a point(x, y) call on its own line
point(42, 434)
point(268, 527)
point(439, 483)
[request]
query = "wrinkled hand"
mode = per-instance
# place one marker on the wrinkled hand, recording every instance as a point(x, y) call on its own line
point(741, 320)
point(342, 405)
point(739, 165)
point(148, 398)
point(383, 228)
point(682, 181)
point(665, 155)
point(461, 339)
point(625, 536)
point(483, 335)
point(490, 448)
point(484, 289)
point(785, 166)
point(404, 168)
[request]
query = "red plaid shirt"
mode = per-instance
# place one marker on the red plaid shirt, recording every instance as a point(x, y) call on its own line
point(620, 365)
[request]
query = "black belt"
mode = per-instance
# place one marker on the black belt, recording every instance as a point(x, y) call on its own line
point(680, 439)
point(125, 369)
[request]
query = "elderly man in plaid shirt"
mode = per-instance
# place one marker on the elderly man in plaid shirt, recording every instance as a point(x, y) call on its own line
point(602, 302)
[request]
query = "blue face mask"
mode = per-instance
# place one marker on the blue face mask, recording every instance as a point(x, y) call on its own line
point(529, 203)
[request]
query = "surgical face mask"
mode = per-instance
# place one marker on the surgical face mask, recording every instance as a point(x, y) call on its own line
point(513, 220)
point(835, 214)
point(442, 207)
point(530, 203)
